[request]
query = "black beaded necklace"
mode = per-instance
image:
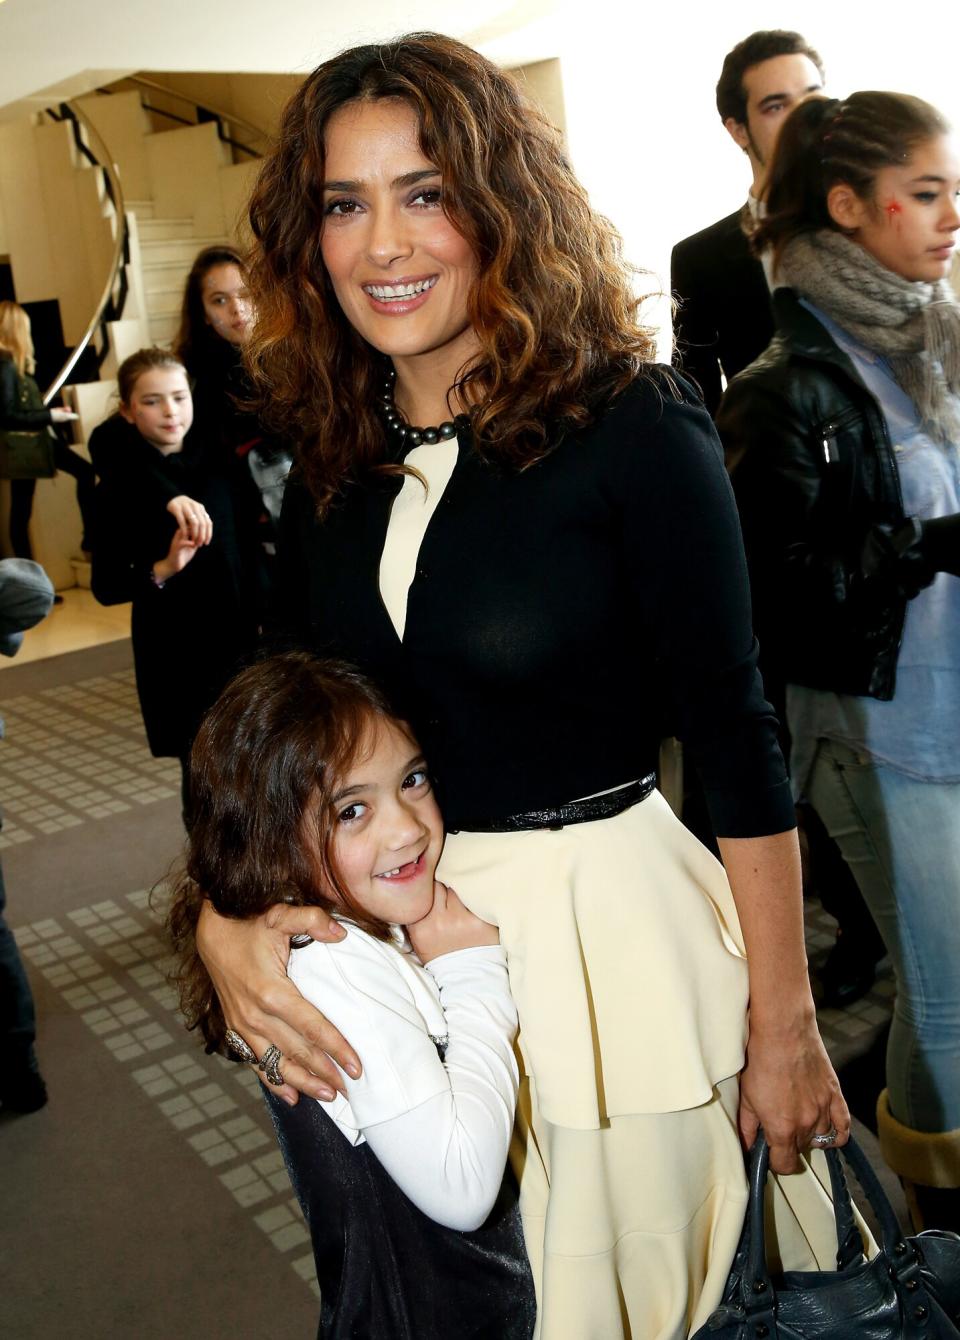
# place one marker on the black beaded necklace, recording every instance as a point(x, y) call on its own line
point(406, 433)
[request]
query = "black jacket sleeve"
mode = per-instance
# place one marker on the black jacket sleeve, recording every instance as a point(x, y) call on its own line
point(12, 415)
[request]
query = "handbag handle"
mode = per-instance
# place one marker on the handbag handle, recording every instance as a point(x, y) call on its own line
point(756, 1288)
point(757, 1291)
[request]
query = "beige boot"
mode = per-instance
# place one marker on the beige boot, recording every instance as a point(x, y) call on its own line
point(928, 1165)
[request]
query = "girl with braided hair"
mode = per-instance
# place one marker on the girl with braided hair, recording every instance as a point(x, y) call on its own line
point(844, 443)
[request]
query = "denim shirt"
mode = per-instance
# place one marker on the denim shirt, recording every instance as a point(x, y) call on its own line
point(918, 731)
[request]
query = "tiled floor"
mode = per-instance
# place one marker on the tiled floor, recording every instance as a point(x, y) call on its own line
point(76, 753)
point(109, 963)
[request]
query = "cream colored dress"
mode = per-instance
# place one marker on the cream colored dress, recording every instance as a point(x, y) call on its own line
point(627, 967)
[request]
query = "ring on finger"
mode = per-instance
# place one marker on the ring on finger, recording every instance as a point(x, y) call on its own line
point(824, 1139)
point(269, 1063)
point(241, 1049)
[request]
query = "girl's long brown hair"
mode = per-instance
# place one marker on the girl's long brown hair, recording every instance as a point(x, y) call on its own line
point(266, 759)
point(196, 343)
point(553, 308)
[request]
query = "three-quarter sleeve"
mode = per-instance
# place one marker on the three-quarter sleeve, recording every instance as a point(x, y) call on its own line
point(684, 553)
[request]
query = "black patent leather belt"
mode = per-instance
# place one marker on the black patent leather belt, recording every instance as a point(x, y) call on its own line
point(575, 812)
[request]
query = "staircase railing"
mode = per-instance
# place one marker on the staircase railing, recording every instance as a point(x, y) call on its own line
point(113, 296)
point(204, 112)
point(89, 143)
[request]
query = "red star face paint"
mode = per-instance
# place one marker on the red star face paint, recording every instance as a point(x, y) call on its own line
point(911, 225)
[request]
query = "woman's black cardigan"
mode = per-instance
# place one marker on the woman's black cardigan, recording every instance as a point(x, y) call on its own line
point(562, 619)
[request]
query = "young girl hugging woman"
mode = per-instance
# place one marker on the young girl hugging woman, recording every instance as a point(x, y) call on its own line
point(306, 789)
point(166, 539)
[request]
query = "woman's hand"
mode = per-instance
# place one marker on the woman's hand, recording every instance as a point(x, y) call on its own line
point(247, 962)
point(192, 518)
point(789, 1087)
point(448, 926)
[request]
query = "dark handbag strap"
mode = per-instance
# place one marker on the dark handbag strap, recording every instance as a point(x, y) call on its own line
point(757, 1292)
point(904, 1259)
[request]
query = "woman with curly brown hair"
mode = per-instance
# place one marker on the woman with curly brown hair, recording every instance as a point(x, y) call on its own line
point(545, 581)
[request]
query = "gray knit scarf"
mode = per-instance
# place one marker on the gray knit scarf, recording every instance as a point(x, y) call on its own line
point(914, 326)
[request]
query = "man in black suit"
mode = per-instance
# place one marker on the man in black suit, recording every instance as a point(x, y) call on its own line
point(723, 317)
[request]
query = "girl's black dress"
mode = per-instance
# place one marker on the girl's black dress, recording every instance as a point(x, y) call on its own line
point(387, 1271)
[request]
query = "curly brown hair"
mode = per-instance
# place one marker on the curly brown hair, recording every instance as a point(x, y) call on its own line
point(266, 759)
point(553, 308)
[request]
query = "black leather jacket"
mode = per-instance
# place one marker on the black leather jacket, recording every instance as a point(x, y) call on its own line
point(814, 474)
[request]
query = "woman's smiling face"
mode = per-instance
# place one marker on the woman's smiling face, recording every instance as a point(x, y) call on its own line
point(401, 271)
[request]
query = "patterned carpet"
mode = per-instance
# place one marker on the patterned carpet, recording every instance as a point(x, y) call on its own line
point(90, 825)
point(91, 822)
point(60, 738)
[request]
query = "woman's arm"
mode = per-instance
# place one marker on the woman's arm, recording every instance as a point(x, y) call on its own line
point(696, 601)
point(788, 1084)
point(247, 963)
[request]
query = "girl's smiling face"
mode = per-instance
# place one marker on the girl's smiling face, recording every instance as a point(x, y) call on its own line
point(161, 407)
point(910, 223)
point(387, 830)
point(401, 271)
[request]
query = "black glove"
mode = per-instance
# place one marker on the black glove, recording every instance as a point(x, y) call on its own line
point(941, 543)
point(896, 557)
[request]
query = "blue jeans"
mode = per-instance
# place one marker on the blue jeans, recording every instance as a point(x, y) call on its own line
point(17, 1019)
point(901, 839)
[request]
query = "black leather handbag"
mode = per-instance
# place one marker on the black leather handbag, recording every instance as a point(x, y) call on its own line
point(909, 1291)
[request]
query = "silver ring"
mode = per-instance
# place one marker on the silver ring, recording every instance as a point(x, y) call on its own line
point(237, 1045)
point(826, 1139)
point(269, 1063)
